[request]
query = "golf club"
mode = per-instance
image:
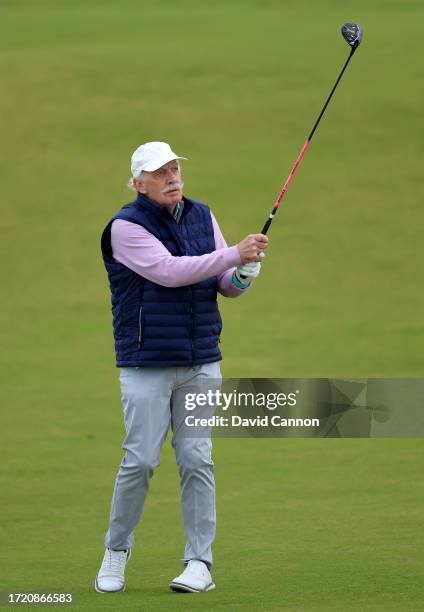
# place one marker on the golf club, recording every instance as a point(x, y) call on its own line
point(352, 33)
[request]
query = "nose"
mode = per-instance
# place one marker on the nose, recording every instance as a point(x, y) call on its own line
point(170, 177)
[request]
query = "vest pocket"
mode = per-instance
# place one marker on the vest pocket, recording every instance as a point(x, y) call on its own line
point(140, 326)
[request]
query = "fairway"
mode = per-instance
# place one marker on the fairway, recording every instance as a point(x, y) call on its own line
point(303, 524)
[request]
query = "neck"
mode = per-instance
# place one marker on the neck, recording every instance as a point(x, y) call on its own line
point(171, 207)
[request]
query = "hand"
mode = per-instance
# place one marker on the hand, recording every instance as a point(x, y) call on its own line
point(252, 247)
point(247, 272)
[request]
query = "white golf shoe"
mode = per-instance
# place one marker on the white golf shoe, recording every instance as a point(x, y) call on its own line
point(111, 578)
point(194, 579)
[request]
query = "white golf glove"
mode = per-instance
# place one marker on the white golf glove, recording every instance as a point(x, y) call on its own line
point(247, 272)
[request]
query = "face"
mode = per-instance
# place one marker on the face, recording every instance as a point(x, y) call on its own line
point(163, 186)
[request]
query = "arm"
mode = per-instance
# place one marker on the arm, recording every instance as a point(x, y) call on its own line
point(141, 252)
point(226, 285)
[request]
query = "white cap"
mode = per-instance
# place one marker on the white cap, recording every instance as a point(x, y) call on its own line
point(150, 156)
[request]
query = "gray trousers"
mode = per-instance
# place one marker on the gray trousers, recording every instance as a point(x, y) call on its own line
point(153, 400)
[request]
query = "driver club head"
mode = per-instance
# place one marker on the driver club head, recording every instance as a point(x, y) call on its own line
point(352, 33)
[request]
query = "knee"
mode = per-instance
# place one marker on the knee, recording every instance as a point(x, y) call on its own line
point(139, 463)
point(192, 458)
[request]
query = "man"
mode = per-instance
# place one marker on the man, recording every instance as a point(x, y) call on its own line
point(166, 260)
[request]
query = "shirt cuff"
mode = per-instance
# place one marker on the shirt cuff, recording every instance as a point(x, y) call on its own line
point(234, 258)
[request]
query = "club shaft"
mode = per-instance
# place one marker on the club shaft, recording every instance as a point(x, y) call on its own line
point(331, 94)
point(303, 151)
point(285, 187)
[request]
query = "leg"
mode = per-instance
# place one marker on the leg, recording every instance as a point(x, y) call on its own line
point(145, 394)
point(195, 466)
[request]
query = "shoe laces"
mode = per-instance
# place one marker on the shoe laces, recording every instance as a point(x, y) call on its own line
point(198, 568)
point(115, 560)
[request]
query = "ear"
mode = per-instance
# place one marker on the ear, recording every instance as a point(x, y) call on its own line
point(139, 186)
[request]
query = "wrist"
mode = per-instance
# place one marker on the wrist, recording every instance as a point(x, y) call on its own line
point(240, 283)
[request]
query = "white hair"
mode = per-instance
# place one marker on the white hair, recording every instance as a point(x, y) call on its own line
point(130, 183)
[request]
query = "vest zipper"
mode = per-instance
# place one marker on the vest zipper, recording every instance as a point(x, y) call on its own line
point(178, 237)
point(141, 319)
point(191, 326)
point(140, 326)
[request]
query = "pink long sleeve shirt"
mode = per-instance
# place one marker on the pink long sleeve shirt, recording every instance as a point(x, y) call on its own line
point(140, 251)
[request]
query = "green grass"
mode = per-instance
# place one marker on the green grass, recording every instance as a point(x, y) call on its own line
point(235, 86)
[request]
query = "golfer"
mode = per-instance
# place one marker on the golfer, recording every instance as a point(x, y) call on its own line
point(166, 260)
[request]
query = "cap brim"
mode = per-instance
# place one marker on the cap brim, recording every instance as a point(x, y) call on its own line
point(158, 163)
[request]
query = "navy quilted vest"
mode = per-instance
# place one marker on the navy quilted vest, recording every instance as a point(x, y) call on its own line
point(160, 326)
